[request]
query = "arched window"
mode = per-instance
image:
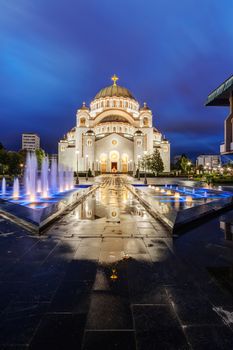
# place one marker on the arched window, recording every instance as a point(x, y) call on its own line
point(82, 121)
point(146, 121)
point(107, 104)
point(114, 129)
point(120, 129)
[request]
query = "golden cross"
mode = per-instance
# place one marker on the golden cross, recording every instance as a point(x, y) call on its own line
point(114, 79)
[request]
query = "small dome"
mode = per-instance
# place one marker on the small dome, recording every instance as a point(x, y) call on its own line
point(90, 132)
point(145, 107)
point(138, 133)
point(84, 107)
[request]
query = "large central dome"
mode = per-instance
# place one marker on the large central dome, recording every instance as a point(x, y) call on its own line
point(114, 91)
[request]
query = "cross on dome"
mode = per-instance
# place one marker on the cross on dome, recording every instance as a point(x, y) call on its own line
point(114, 79)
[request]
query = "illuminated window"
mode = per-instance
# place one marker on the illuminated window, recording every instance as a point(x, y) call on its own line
point(82, 121)
point(146, 122)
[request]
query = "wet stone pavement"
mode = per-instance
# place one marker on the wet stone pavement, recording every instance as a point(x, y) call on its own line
point(109, 276)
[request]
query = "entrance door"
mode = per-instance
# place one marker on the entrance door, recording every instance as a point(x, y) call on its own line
point(114, 167)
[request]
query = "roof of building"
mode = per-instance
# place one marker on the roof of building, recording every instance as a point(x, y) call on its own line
point(114, 90)
point(220, 96)
point(84, 107)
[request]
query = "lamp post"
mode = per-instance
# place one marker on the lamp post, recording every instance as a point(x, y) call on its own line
point(139, 167)
point(86, 167)
point(21, 169)
point(77, 179)
point(145, 179)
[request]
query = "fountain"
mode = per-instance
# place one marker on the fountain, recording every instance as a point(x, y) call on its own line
point(45, 178)
point(30, 176)
point(40, 184)
point(3, 186)
point(45, 192)
point(193, 191)
point(205, 194)
point(53, 175)
point(16, 188)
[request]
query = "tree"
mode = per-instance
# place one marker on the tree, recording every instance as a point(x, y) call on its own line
point(14, 163)
point(3, 161)
point(183, 164)
point(156, 163)
point(145, 162)
point(40, 154)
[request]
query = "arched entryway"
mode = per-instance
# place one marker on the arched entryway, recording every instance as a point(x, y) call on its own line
point(114, 161)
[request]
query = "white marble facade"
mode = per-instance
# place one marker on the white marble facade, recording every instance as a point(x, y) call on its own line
point(112, 134)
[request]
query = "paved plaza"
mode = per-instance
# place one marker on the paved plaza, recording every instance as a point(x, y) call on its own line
point(109, 276)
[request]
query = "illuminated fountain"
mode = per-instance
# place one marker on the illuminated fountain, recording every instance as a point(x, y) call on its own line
point(3, 186)
point(39, 184)
point(16, 188)
point(178, 205)
point(45, 192)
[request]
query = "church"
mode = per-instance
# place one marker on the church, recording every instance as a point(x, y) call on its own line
point(112, 134)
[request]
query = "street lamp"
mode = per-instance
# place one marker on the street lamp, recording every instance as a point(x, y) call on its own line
point(145, 179)
point(86, 167)
point(21, 169)
point(139, 167)
point(77, 179)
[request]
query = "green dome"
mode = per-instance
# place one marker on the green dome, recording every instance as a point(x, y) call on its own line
point(114, 91)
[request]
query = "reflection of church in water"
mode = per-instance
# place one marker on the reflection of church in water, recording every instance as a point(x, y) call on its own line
point(112, 135)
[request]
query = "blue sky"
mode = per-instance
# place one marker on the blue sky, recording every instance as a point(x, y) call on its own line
point(171, 54)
